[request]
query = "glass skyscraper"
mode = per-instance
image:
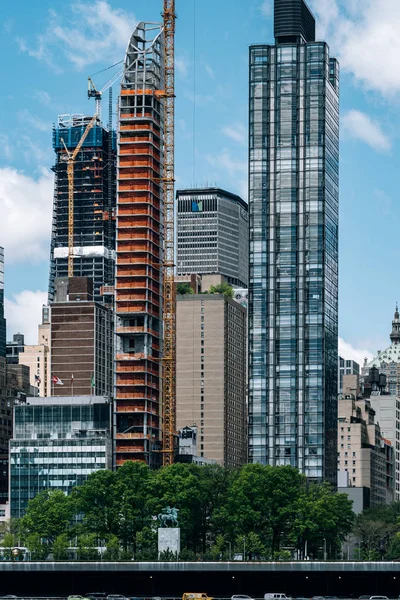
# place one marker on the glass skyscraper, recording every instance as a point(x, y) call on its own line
point(293, 215)
point(2, 319)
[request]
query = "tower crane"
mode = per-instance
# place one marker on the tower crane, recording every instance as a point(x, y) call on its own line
point(169, 303)
point(93, 92)
point(70, 158)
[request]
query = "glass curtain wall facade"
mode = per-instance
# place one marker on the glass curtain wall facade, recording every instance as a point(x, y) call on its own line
point(293, 291)
point(94, 204)
point(2, 319)
point(57, 446)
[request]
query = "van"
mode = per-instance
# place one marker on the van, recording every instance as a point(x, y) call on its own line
point(276, 597)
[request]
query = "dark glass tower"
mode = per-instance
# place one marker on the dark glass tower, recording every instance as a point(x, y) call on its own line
point(293, 206)
point(94, 204)
point(2, 319)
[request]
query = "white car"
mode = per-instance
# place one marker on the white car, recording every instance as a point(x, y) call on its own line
point(276, 597)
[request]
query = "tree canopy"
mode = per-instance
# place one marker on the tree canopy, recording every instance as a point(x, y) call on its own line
point(271, 512)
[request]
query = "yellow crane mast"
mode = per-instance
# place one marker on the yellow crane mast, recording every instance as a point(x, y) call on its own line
point(71, 156)
point(169, 305)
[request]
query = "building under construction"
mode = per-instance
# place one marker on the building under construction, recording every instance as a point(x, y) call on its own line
point(94, 197)
point(138, 283)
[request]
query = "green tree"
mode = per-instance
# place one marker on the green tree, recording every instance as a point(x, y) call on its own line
point(113, 551)
point(263, 499)
point(8, 542)
point(146, 544)
point(87, 548)
point(49, 515)
point(60, 547)
point(222, 288)
point(116, 504)
point(375, 536)
point(37, 547)
point(96, 499)
point(321, 515)
point(180, 486)
point(184, 288)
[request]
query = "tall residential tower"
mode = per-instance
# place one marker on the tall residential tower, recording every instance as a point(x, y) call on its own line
point(138, 283)
point(2, 319)
point(293, 204)
point(94, 204)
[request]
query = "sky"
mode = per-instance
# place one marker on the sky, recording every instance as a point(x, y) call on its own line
point(48, 50)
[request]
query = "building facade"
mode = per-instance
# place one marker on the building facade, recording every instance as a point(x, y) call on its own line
point(213, 234)
point(211, 375)
point(138, 281)
point(2, 319)
point(363, 452)
point(346, 367)
point(293, 214)
point(388, 360)
point(14, 347)
point(387, 414)
point(57, 445)
point(94, 204)
point(81, 340)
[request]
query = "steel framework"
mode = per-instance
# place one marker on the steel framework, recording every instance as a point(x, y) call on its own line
point(169, 305)
point(70, 157)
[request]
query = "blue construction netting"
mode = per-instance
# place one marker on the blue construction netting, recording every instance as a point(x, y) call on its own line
point(72, 135)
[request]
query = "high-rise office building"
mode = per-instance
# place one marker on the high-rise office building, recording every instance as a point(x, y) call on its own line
point(213, 234)
point(94, 204)
point(80, 340)
point(56, 445)
point(293, 208)
point(211, 375)
point(346, 367)
point(2, 319)
point(138, 282)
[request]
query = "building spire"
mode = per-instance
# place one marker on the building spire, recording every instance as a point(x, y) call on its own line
point(395, 335)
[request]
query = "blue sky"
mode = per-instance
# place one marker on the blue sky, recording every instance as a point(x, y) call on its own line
point(50, 47)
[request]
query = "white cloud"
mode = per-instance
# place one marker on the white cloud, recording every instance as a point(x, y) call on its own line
point(236, 132)
point(24, 313)
point(25, 209)
point(199, 99)
point(6, 150)
point(96, 33)
point(266, 8)
point(349, 352)
point(365, 37)
point(361, 127)
point(43, 97)
point(225, 160)
point(209, 71)
point(181, 66)
point(235, 169)
point(28, 119)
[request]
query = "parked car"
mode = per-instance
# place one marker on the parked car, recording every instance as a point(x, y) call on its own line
point(276, 597)
point(196, 596)
point(378, 598)
point(241, 597)
point(96, 595)
point(116, 597)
